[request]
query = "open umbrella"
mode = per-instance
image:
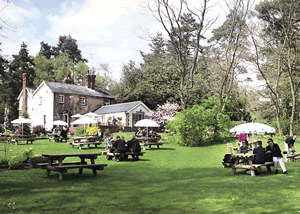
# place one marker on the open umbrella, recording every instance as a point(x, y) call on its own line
point(252, 128)
point(77, 115)
point(22, 121)
point(84, 120)
point(146, 123)
point(59, 123)
point(247, 128)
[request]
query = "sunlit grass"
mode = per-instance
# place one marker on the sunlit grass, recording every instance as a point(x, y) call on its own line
point(172, 179)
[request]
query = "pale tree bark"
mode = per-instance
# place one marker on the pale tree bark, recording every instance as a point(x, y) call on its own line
point(272, 86)
point(228, 62)
point(169, 16)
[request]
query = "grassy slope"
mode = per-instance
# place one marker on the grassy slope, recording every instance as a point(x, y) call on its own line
point(172, 179)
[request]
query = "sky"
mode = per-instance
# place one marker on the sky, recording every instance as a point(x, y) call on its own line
point(107, 31)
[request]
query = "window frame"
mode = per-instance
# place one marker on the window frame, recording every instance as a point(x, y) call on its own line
point(82, 101)
point(61, 99)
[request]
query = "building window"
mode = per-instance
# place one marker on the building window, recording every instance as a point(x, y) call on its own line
point(40, 100)
point(61, 99)
point(82, 101)
point(106, 102)
point(44, 119)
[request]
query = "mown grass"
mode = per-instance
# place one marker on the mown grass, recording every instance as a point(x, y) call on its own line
point(172, 179)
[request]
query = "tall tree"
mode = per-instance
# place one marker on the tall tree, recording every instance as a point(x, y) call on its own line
point(66, 44)
point(184, 27)
point(281, 21)
point(229, 51)
point(21, 63)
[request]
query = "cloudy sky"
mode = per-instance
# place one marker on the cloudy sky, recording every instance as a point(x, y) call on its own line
point(107, 31)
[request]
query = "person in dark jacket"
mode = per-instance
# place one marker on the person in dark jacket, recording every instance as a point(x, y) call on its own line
point(134, 146)
point(289, 146)
point(119, 146)
point(275, 152)
point(260, 153)
point(100, 135)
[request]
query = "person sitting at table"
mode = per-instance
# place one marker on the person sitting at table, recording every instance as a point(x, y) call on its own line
point(275, 152)
point(100, 135)
point(138, 132)
point(244, 148)
point(108, 142)
point(260, 155)
point(134, 146)
point(64, 133)
point(120, 147)
point(144, 133)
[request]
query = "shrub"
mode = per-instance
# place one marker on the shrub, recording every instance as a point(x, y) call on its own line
point(79, 131)
point(196, 126)
point(38, 130)
point(27, 154)
point(92, 130)
point(106, 133)
point(15, 161)
point(3, 162)
point(37, 159)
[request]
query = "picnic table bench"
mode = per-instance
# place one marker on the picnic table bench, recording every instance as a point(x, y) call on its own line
point(16, 138)
point(110, 155)
point(149, 141)
point(57, 138)
point(61, 167)
point(243, 158)
point(82, 144)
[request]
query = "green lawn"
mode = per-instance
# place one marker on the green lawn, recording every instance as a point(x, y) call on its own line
point(172, 179)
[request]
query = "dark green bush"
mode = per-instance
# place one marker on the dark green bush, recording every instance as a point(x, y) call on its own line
point(3, 162)
point(16, 161)
point(27, 154)
point(80, 130)
point(196, 126)
point(38, 159)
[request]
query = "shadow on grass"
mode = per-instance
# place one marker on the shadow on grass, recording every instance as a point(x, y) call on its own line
point(150, 190)
point(161, 148)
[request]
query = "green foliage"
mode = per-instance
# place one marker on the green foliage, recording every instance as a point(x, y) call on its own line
point(92, 130)
point(27, 154)
point(15, 161)
point(37, 159)
point(4, 162)
point(106, 133)
point(38, 130)
point(79, 131)
point(25, 130)
point(195, 126)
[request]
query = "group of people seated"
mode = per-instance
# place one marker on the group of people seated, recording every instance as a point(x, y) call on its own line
point(61, 131)
point(143, 133)
point(119, 145)
point(271, 153)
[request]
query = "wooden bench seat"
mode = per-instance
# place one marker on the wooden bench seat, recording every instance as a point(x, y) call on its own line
point(83, 143)
point(16, 140)
point(64, 168)
point(43, 165)
point(250, 167)
point(150, 144)
point(110, 155)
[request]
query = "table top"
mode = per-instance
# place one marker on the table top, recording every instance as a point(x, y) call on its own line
point(83, 137)
point(71, 155)
point(243, 156)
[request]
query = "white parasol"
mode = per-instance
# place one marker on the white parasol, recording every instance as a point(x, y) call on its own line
point(247, 128)
point(22, 121)
point(77, 115)
point(146, 123)
point(59, 123)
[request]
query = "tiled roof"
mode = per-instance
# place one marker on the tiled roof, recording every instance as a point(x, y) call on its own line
point(122, 107)
point(31, 89)
point(77, 89)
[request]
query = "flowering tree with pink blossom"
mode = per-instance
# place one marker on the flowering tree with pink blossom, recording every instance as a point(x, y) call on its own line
point(164, 112)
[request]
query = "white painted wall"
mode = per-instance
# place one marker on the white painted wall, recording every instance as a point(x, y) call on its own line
point(46, 108)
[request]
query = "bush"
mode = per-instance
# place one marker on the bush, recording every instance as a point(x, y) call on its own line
point(196, 126)
point(15, 161)
point(27, 154)
point(92, 130)
point(38, 130)
point(3, 162)
point(38, 159)
point(106, 133)
point(79, 131)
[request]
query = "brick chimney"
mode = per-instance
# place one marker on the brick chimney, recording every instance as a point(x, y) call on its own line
point(93, 77)
point(25, 77)
point(88, 80)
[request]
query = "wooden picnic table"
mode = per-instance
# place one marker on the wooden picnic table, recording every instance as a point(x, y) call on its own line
point(15, 138)
point(245, 161)
point(62, 167)
point(149, 141)
point(81, 141)
point(55, 137)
